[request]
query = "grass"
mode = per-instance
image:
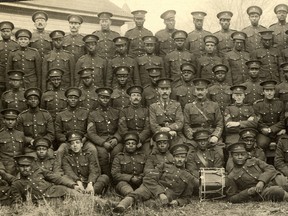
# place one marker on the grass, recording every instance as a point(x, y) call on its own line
point(87, 206)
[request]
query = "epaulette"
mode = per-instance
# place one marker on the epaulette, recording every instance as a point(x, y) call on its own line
point(130, 30)
point(2, 129)
point(43, 110)
point(6, 92)
point(273, 24)
point(34, 49)
point(24, 111)
point(66, 51)
point(257, 101)
point(83, 108)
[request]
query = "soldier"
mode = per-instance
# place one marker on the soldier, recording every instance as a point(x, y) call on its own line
point(284, 52)
point(254, 90)
point(224, 35)
point(281, 156)
point(122, 59)
point(203, 157)
point(253, 37)
point(279, 28)
point(88, 176)
point(54, 100)
point(161, 153)
point(149, 59)
point(220, 91)
point(58, 58)
point(136, 118)
point(6, 45)
point(166, 114)
point(238, 115)
point(35, 122)
point(253, 179)
point(171, 184)
point(40, 37)
point(136, 46)
point(12, 141)
point(209, 59)
point(175, 58)
point(14, 98)
point(166, 43)
point(150, 92)
point(106, 47)
point(26, 59)
point(102, 129)
point(39, 183)
point(269, 56)
point(184, 89)
point(128, 166)
point(43, 159)
point(282, 88)
point(194, 42)
point(73, 42)
point(270, 112)
point(89, 98)
point(119, 97)
point(237, 58)
point(92, 60)
point(203, 113)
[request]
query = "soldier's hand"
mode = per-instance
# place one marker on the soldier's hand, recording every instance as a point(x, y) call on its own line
point(281, 132)
point(232, 124)
point(165, 129)
point(79, 187)
point(259, 187)
point(163, 199)
point(251, 118)
point(251, 190)
point(139, 145)
point(107, 146)
point(84, 139)
point(213, 140)
point(265, 131)
point(113, 142)
point(173, 133)
point(134, 180)
point(90, 189)
point(174, 203)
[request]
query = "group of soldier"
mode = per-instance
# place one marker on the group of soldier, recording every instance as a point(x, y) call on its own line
point(144, 113)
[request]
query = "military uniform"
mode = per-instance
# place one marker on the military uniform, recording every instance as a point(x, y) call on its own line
point(281, 156)
point(119, 98)
point(74, 44)
point(89, 98)
point(14, 99)
point(42, 42)
point(225, 41)
point(253, 92)
point(183, 92)
point(150, 95)
point(282, 89)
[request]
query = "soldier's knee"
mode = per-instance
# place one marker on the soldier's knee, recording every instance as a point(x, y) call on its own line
point(263, 141)
point(123, 188)
point(101, 184)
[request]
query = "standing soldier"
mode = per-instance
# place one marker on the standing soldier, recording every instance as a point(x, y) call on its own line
point(91, 60)
point(224, 35)
point(6, 45)
point(103, 130)
point(122, 59)
point(58, 58)
point(284, 52)
point(106, 47)
point(35, 122)
point(184, 89)
point(12, 141)
point(202, 113)
point(54, 100)
point(175, 58)
point(254, 90)
point(270, 112)
point(150, 93)
point(136, 46)
point(166, 42)
point(279, 28)
point(237, 58)
point(166, 114)
point(253, 40)
point(269, 56)
point(149, 59)
point(26, 59)
point(194, 42)
point(136, 118)
point(73, 42)
point(282, 88)
point(119, 97)
point(220, 91)
point(14, 98)
point(89, 98)
point(40, 38)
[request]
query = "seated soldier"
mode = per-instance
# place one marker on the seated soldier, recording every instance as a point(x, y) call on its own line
point(248, 136)
point(161, 153)
point(128, 166)
point(170, 183)
point(253, 179)
point(88, 175)
point(281, 156)
point(39, 184)
point(43, 159)
point(203, 157)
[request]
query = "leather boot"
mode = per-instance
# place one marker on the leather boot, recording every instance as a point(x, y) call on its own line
point(123, 205)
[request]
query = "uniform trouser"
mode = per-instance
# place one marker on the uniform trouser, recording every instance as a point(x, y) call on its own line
point(106, 157)
point(101, 184)
point(282, 181)
point(88, 147)
point(141, 194)
point(123, 188)
point(272, 193)
point(264, 141)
